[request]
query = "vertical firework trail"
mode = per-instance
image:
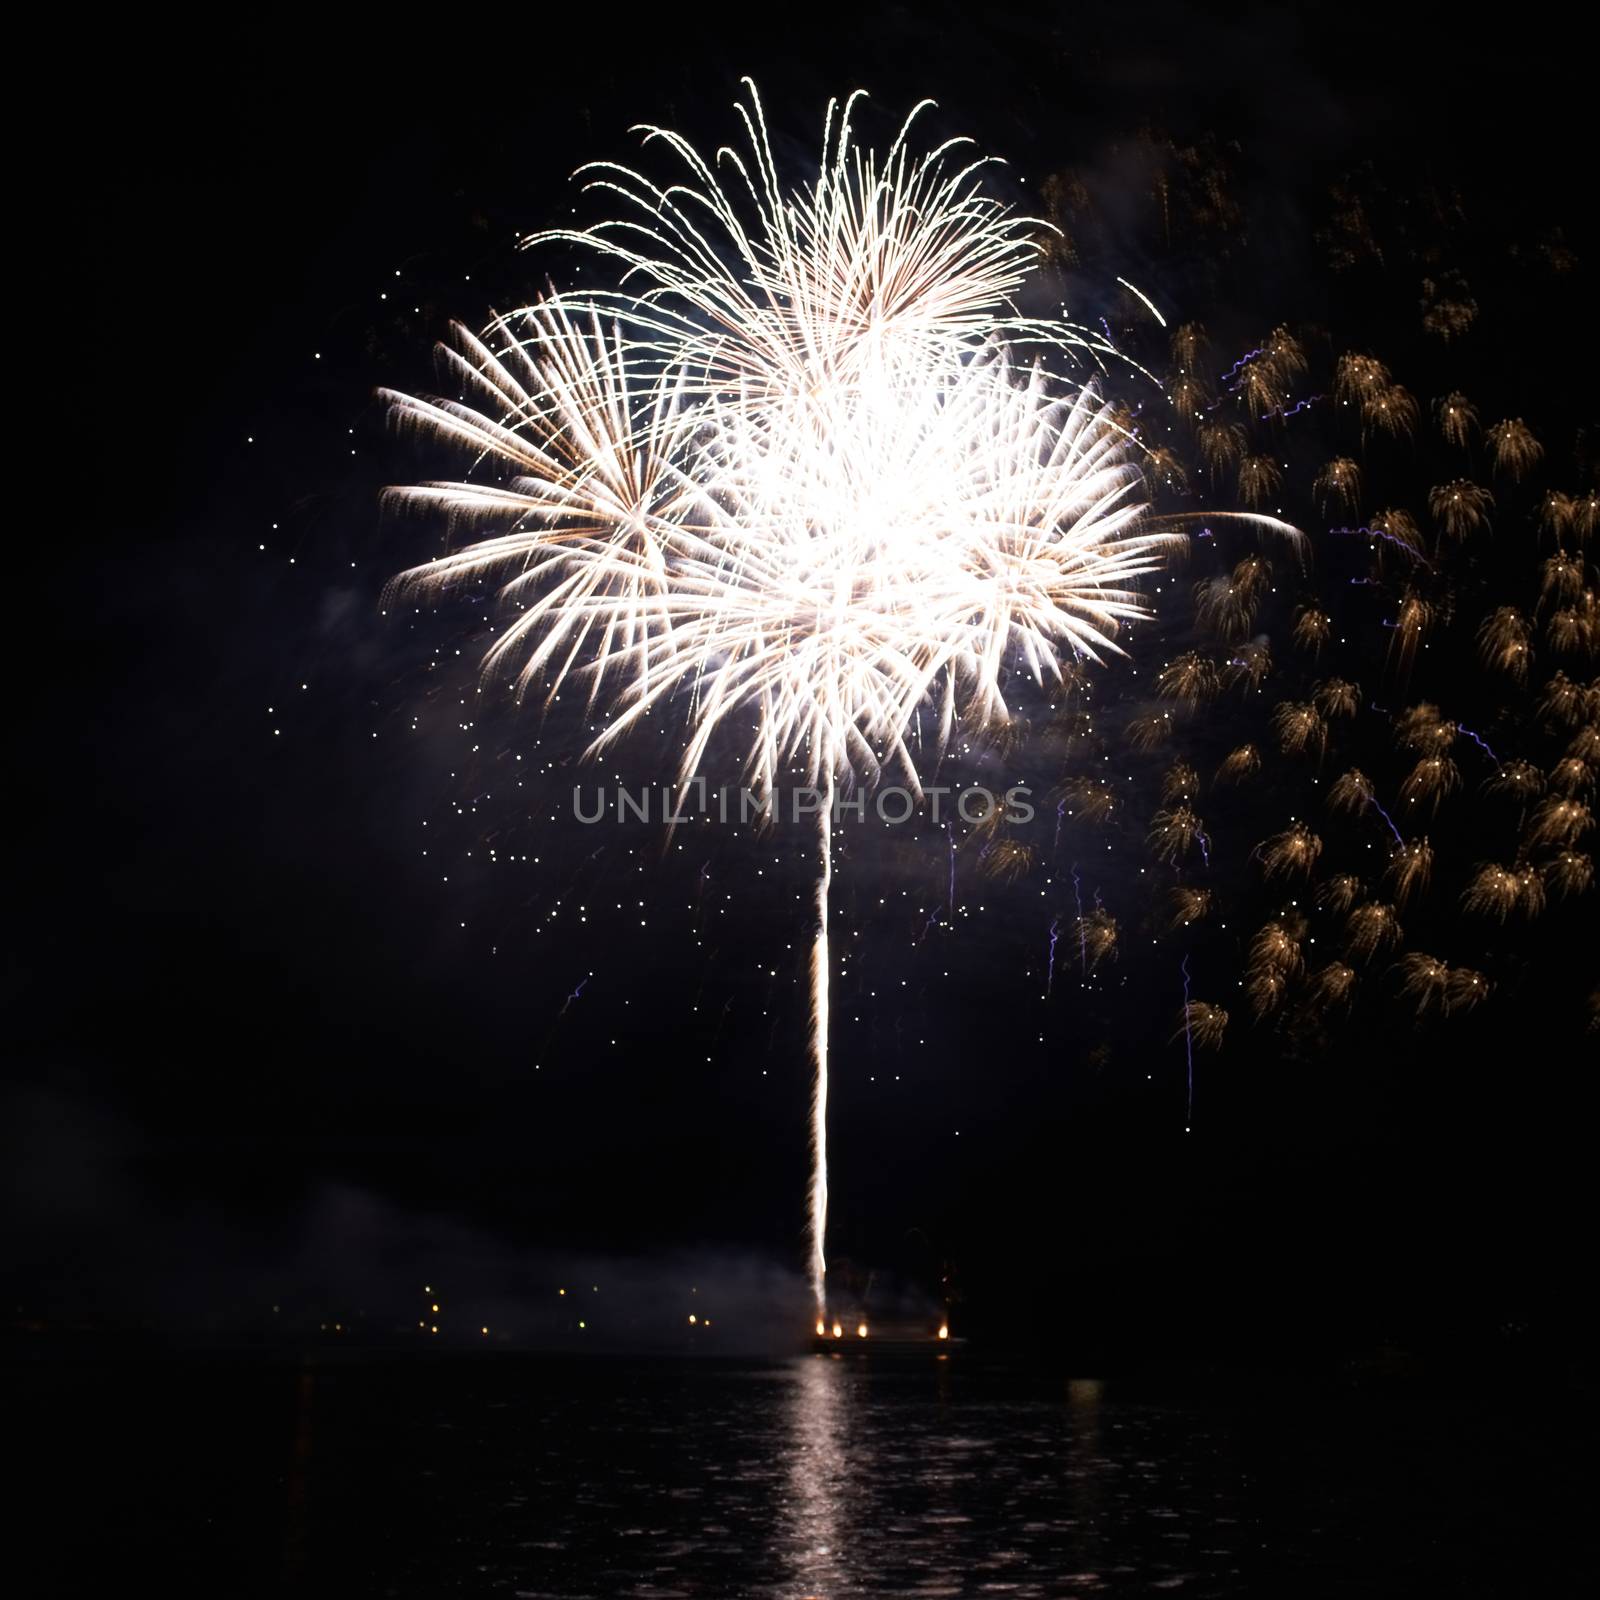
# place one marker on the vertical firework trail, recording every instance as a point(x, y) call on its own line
point(820, 973)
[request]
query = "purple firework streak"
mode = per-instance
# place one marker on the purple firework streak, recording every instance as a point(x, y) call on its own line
point(1188, 1048)
point(1388, 538)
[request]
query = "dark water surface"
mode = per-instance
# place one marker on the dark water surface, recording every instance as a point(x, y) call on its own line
point(817, 1476)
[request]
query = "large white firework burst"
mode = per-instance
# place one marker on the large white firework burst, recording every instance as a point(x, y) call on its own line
point(806, 465)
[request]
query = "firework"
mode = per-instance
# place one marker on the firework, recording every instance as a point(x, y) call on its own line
point(1333, 985)
point(1572, 775)
point(1337, 484)
point(1151, 732)
point(1340, 892)
point(792, 478)
point(1351, 791)
point(1221, 443)
point(1189, 339)
point(1399, 528)
point(1178, 782)
point(1174, 832)
point(1312, 629)
point(1275, 960)
point(1460, 508)
point(1189, 397)
point(1188, 679)
point(1260, 388)
point(1560, 580)
point(1586, 516)
point(1505, 643)
point(1294, 851)
point(1570, 873)
point(1300, 728)
point(1097, 936)
point(1285, 355)
point(1240, 764)
point(1514, 448)
point(1089, 799)
point(1008, 859)
point(1574, 630)
point(1203, 1023)
point(1357, 378)
point(1585, 745)
point(1519, 780)
point(1457, 418)
point(1391, 410)
point(1432, 780)
point(1439, 989)
point(1410, 869)
point(1222, 608)
point(1558, 821)
point(1260, 478)
point(1187, 905)
point(1163, 470)
point(1249, 665)
point(1421, 727)
point(1371, 928)
point(1277, 947)
point(1413, 621)
point(1557, 513)
point(1266, 989)
point(1336, 697)
point(1501, 891)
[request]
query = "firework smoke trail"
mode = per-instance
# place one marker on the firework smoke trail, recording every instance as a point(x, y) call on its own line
point(820, 972)
point(1050, 964)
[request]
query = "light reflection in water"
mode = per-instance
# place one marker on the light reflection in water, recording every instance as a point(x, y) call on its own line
point(820, 1465)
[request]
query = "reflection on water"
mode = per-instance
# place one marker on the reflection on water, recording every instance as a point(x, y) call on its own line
point(862, 1474)
point(821, 1463)
point(842, 1475)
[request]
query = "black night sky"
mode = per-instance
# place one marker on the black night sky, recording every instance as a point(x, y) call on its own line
point(296, 909)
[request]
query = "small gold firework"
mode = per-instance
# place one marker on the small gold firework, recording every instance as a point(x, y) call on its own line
point(1312, 630)
point(1188, 679)
point(1187, 905)
point(1500, 892)
point(1340, 893)
point(1513, 447)
point(1336, 697)
point(1293, 851)
point(1371, 928)
point(1300, 729)
point(1174, 832)
point(1505, 643)
point(1457, 418)
point(1204, 1024)
point(1239, 764)
point(1460, 508)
